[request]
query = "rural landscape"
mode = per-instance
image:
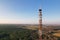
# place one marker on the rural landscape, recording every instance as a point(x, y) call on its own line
point(27, 32)
point(29, 19)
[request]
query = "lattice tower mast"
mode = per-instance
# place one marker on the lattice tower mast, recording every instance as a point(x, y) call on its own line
point(40, 24)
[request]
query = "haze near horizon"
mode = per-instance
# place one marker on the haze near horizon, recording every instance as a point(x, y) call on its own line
point(26, 11)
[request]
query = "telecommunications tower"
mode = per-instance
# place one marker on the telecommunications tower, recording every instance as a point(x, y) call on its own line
point(40, 24)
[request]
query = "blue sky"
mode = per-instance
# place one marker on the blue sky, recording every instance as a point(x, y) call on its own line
point(26, 11)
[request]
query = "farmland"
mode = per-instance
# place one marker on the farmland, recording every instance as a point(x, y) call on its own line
point(24, 32)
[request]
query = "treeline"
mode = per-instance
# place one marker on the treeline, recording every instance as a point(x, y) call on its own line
point(19, 35)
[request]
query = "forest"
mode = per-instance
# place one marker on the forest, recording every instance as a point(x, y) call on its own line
point(10, 32)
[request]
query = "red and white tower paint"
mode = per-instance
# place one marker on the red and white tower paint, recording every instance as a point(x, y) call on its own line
point(40, 24)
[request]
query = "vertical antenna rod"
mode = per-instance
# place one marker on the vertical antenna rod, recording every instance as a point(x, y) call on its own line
point(40, 24)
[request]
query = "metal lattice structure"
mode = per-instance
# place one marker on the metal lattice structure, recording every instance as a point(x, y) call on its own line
point(40, 24)
point(47, 35)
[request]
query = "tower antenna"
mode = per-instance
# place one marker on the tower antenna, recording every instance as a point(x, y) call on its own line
point(40, 24)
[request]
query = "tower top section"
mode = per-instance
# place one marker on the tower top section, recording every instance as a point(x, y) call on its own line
point(40, 9)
